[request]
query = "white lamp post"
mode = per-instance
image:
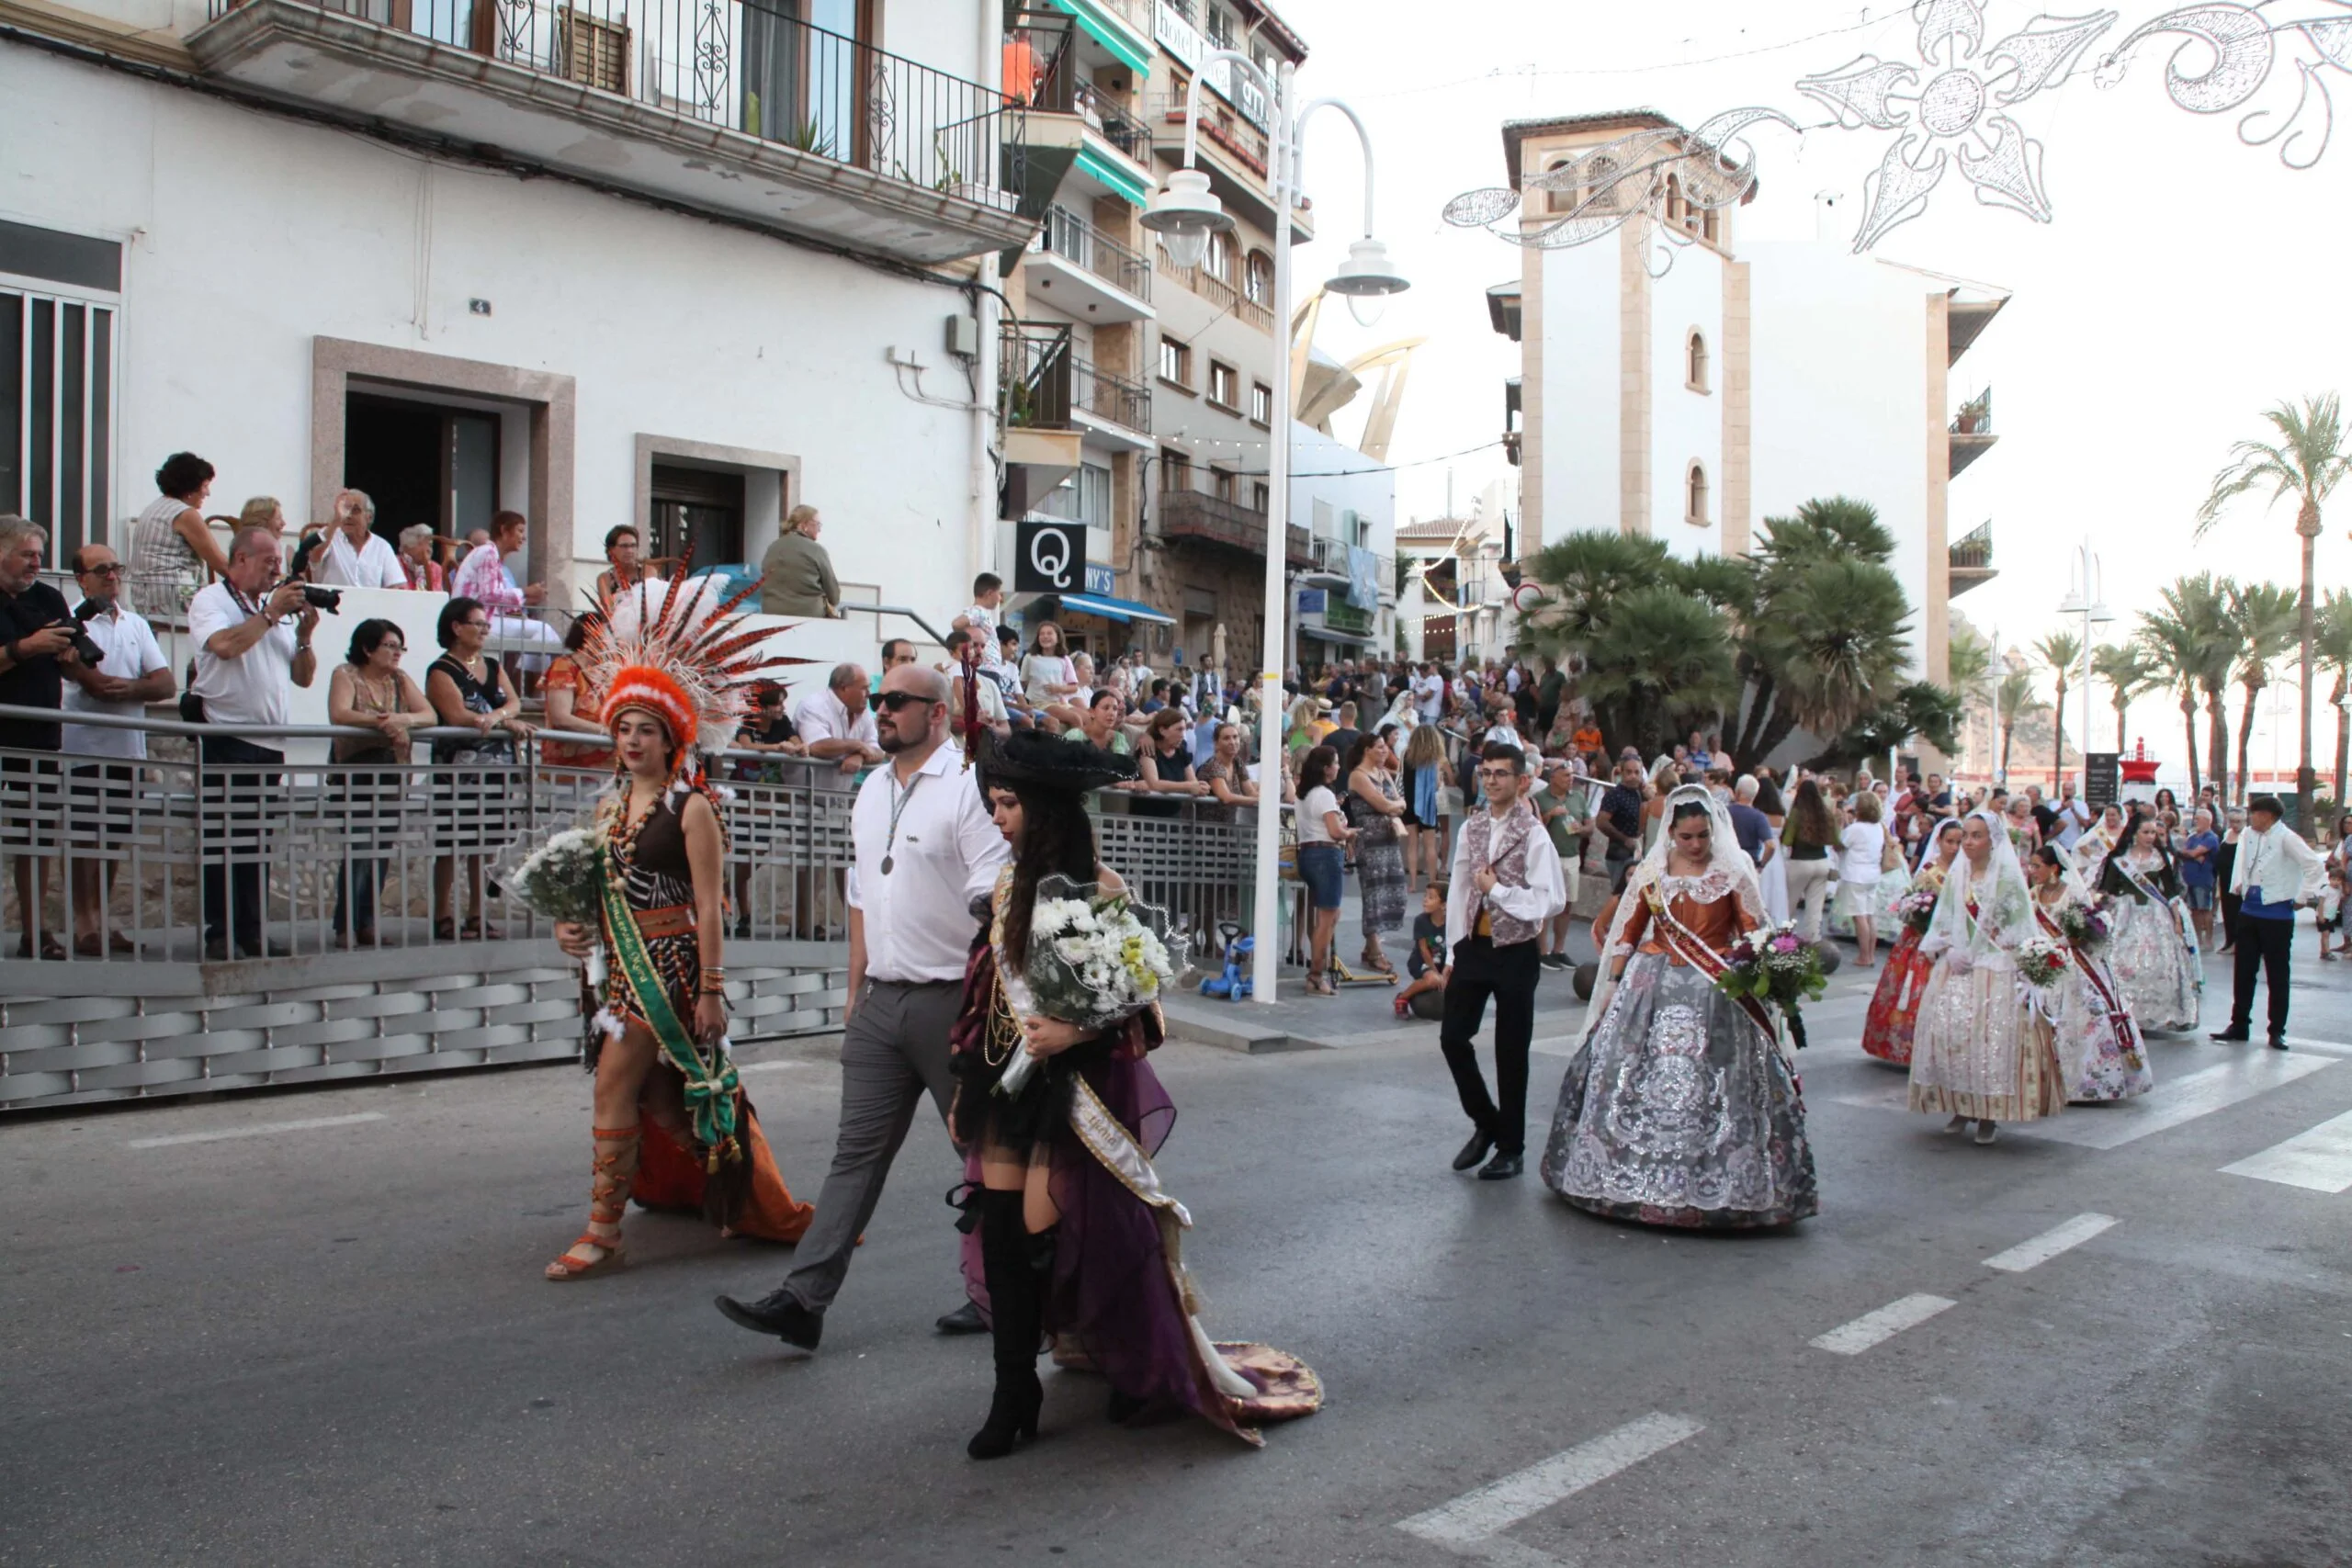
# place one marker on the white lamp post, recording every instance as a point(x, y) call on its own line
point(2087, 602)
point(1184, 214)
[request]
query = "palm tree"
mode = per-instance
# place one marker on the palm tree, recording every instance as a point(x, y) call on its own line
point(2063, 652)
point(2333, 648)
point(2309, 460)
point(2015, 699)
point(2176, 654)
point(2199, 608)
point(2130, 672)
point(1664, 664)
point(2264, 620)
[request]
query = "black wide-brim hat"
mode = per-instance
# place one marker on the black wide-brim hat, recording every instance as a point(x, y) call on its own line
point(1034, 758)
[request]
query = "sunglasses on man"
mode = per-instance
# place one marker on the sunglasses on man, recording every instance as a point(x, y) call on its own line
point(894, 701)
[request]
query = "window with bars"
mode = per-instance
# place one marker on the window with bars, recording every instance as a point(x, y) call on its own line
point(57, 376)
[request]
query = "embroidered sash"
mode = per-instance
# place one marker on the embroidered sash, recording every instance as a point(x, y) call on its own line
point(1686, 944)
point(2181, 928)
point(2107, 1001)
point(710, 1092)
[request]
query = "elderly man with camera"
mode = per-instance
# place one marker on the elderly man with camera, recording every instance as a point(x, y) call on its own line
point(38, 638)
point(252, 632)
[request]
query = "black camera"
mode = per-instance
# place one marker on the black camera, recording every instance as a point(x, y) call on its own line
point(328, 599)
point(84, 646)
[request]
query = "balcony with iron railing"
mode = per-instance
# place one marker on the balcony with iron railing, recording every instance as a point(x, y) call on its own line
point(1229, 299)
point(1970, 559)
point(1197, 516)
point(1046, 386)
point(1078, 268)
point(1971, 431)
point(735, 107)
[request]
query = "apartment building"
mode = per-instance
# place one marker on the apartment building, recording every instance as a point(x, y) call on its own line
point(1690, 400)
point(683, 264)
point(1139, 396)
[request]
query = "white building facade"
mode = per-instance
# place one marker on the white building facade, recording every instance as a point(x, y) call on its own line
point(1689, 403)
point(515, 257)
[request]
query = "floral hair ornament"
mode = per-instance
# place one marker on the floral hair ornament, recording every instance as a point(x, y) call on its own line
point(679, 652)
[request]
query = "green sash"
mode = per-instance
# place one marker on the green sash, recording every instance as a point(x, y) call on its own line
point(710, 1097)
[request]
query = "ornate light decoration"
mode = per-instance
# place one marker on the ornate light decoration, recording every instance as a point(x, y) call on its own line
point(1635, 176)
point(1948, 110)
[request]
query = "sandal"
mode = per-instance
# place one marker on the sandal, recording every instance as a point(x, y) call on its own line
point(567, 1267)
point(1379, 961)
point(444, 929)
point(479, 930)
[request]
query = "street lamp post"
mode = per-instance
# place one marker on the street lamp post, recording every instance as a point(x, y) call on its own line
point(1185, 215)
point(2086, 600)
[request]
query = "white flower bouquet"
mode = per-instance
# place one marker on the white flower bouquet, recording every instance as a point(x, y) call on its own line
point(563, 879)
point(2039, 962)
point(1095, 959)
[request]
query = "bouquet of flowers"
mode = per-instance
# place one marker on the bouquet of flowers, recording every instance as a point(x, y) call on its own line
point(1916, 908)
point(1775, 966)
point(2039, 962)
point(562, 878)
point(1095, 958)
point(2085, 925)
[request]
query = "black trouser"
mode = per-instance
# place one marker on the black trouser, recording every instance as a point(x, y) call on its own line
point(2265, 943)
point(236, 839)
point(1508, 975)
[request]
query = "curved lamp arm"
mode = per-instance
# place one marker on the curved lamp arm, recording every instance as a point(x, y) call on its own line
point(1363, 139)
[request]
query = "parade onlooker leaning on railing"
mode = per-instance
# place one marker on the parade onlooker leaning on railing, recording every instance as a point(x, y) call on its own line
point(131, 672)
point(370, 691)
point(36, 647)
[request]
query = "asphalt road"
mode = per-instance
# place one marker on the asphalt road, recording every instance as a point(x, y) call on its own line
point(330, 1344)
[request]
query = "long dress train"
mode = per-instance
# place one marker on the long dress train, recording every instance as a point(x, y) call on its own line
point(1680, 1110)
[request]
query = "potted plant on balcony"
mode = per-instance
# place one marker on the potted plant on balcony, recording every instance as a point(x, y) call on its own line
point(1974, 415)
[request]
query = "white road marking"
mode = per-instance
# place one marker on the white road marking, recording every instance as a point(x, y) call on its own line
point(263, 1131)
point(1465, 1523)
point(2320, 1160)
point(1877, 1327)
point(2182, 1099)
point(1887, 1096)
point(775, 1066)
point(2325, 1047)
point(2050, 1243)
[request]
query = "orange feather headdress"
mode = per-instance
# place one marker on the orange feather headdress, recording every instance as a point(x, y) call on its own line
point(677, 652)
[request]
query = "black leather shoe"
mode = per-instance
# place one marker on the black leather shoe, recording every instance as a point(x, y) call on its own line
point(778, 1313)
point(2278, 1043)
point(964, 1319)
point(2227, 1037)
point(1502, 1167)
point(1481, 1145)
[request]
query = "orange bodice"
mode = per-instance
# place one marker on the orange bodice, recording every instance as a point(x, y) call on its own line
point(1718, 923)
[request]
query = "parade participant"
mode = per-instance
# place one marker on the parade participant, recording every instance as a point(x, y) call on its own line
point(2099, 1050)
point(672, 1123)
point(2098, 839)
point(1680, 1107)
point(1981, 1052)
point(1075, 1237)
point(1894, 1004)
point(923, 850)
point(1505, 886)
point(2154, 951)
point(2275, 874)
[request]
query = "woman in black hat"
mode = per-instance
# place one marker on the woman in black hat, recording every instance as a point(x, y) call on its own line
point(1074, 1236)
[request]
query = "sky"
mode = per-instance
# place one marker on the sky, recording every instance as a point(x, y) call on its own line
point(2185, 281)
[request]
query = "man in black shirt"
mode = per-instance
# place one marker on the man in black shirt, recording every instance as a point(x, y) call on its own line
point(1620, 816)
point(35, 650)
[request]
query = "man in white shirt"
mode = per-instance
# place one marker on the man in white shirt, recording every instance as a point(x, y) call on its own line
point(2274, 875)
point(1506, 885)
point(839, 727)
point(924, 848)
point(356, 556)
point(132, 673)
point(250, 642)
point(1428, 695)
point(2073, 816)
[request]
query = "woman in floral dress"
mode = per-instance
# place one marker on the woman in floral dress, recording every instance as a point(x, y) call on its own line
point(1681, 1108)
point(1981, 1052)
point(2099, 1050)
point(2154, 953)
point(1894, 1005)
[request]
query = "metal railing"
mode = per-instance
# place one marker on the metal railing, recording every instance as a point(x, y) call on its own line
point(215, 848)
point(1062, 90)
point(1972, 551)
point(1066, 234)
point(743, 64)
point(1196, 515)
point(1218, 292)
point(1975, 416)
point(1044, 381)
point(1223, 127)
point(1109, 397)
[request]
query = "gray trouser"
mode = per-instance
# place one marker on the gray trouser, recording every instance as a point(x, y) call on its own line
point(895, 1048)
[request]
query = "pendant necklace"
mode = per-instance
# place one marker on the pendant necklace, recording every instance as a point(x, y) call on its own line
point(898, 806)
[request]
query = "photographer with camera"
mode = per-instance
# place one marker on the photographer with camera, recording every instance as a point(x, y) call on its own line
point(36, 647)
point(252, 640)
point(119, 672)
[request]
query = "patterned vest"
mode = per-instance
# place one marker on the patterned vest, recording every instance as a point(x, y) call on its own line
point(1507, 859)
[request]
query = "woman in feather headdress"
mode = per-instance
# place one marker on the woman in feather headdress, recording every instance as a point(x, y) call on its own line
point(672, 1123)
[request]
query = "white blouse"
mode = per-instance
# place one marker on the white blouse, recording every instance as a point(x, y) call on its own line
point(1865, 844)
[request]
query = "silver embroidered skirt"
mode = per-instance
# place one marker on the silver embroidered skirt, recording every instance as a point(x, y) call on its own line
point(1681, 1110)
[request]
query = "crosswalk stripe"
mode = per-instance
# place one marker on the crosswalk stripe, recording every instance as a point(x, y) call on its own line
point(1877, 1327)
point(2182, 1099)
point(2026, 1255)
point(2320, 1160)
point(1469, 1520)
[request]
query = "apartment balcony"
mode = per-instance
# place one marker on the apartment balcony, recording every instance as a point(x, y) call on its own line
point(1197, 517)
point(1964, 321)
point(1229, 299)
point(1971, 558)
point(1234, 151)
point(731, 108)
point(1054, 402)
point(1085, 274)
point(1074, 140)
point(1971, 432)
